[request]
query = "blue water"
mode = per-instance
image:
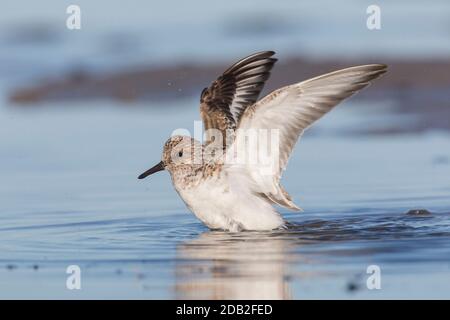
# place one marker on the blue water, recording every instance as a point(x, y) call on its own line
point(69, 193)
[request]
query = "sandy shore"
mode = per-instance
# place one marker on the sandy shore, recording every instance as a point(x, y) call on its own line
point(418, 87)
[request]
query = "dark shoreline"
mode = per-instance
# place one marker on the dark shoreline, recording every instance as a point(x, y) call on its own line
point(417, 87)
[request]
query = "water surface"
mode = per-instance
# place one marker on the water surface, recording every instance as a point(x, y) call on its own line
point(70, 195)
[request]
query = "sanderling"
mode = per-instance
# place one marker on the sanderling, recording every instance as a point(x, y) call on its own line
point(216, 179)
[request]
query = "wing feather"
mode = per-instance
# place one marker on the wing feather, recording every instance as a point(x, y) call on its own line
point(290, 111)
point(222, 104)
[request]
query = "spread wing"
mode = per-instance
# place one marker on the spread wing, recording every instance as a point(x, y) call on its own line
point(290, 111)
point(222, 104)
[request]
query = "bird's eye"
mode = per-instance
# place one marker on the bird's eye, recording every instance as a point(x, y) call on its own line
point(180, 154)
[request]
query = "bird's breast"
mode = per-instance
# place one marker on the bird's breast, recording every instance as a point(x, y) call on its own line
point(219, 205)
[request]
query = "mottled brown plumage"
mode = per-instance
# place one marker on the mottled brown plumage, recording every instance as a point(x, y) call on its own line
point(222, 104)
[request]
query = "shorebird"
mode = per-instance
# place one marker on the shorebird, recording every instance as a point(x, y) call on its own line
point(236, 195)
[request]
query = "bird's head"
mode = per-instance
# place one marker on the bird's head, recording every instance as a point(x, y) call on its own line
point(179, 152)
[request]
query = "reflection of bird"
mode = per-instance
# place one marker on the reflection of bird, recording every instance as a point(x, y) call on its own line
point(222, 265)
point(232, 180)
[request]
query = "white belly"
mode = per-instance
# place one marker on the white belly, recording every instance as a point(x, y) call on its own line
point(218, 206)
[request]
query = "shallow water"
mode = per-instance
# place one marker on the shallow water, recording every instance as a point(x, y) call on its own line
point(70, 195)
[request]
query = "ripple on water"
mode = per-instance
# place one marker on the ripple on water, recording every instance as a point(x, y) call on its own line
point(210, 264)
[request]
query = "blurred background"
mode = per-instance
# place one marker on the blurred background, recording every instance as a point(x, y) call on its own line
point(83, 112)
point(154, 53)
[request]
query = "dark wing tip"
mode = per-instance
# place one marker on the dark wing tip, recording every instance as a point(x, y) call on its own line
point(202, 95)
point(251, 58)
point(260, 54)
point(238, 87)
point(266, 54)
point(378, 67)
point(378, 70)
point(383, 68)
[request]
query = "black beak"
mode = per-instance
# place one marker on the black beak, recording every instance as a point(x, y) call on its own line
point(158, 167)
